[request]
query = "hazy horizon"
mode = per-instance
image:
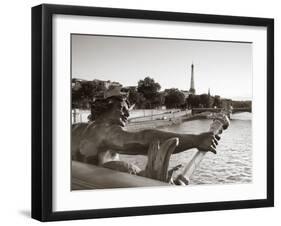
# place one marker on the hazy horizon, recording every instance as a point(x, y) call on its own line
point(224, 67)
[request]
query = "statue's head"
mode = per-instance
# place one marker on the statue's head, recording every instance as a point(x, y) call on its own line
point(112, 108)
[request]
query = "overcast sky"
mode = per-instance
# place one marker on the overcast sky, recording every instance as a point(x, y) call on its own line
point(224, 67)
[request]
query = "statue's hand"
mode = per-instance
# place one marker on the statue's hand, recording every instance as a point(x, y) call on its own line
point(207, 142)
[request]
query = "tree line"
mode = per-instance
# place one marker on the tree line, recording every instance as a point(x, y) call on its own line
point(147, 95)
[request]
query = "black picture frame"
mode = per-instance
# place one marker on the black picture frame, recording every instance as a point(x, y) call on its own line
point(42, 111)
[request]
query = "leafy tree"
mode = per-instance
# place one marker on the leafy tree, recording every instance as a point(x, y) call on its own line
point(150, 91)
point(76, 94)
point(241, 104)
point(217, 101)
point(136, 98)
point(158, 100)
point(174, 98)
point(148, 87)
point(88, 90)
point(83, 92)
point(205, 100)
point(76, 99)
point(193, 101)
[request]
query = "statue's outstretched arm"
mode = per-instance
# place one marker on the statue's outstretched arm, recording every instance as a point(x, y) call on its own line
point(135, 143)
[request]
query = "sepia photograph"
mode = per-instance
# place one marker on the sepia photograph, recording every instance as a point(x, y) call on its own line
point(159, 111)
point(140, 112)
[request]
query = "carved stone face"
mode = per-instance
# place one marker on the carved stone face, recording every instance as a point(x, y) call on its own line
point(120, 111)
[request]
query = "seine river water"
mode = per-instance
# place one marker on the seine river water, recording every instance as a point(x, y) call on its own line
point(231, 164)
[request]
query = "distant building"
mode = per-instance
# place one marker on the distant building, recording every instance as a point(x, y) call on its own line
point(115, 84)
point(76, 84)
point(128, 88)
point(106, 84)
point(101, 86)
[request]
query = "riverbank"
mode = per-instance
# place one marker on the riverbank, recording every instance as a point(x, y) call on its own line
point(164, 121)
point(152, 124)
point(149, 118)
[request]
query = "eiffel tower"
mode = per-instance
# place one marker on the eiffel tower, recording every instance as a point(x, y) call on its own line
point(192, 87)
